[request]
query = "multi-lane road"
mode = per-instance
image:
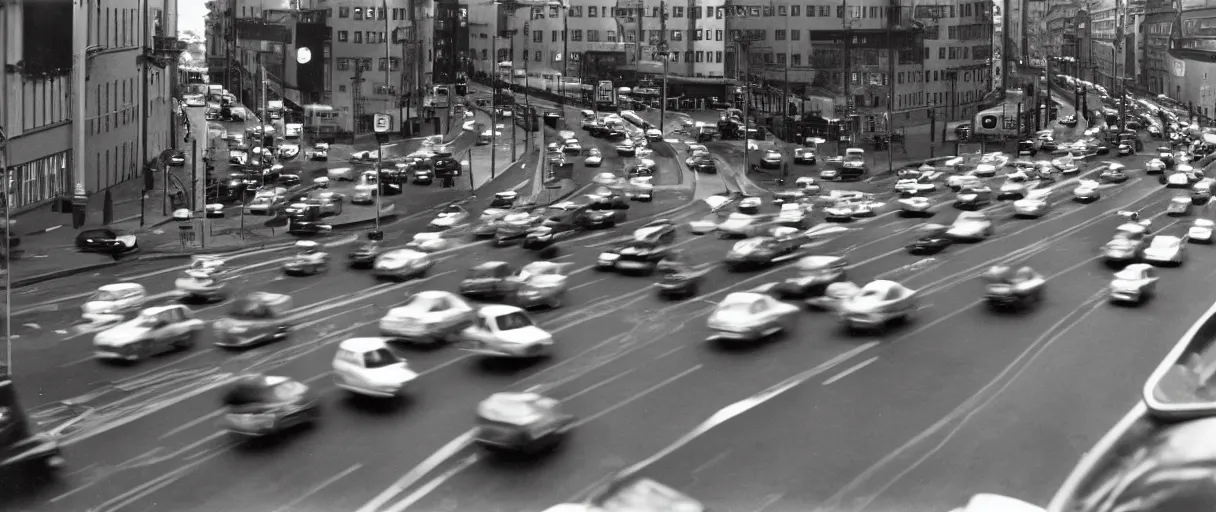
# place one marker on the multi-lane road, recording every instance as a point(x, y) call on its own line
point(917, 418)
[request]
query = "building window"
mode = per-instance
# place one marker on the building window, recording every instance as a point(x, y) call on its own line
point(556, 35)
point(700, 56)
point(696, 12)
point(576, 35)
point(359, 13)
point(781, 59)
point(781, 11)
point(779, 34)
point(358, 37)
point(593, 36)
point(795, 35)
point(344, 12)
point(677, 35)
point(677, 12)
point(717, 35)
point(796, 59)
point(718, 57)
point(540, 56)
point(575, 11)
point(591, 12)
point(941, 52)
point(383, 64)
point(611, 36)
point(342, 88)
point(552, 11)
point(696, 35)
point(795, 10)
point(525, 56)
point(381, 14)
point(343, 36)
point(538, 36)
point(371, 37)
point(839, 11)
point(394, 64)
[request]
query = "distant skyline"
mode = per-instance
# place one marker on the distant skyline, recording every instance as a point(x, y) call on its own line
point(191, 15)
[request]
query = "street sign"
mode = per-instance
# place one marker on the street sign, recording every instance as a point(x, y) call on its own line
point(383, 123)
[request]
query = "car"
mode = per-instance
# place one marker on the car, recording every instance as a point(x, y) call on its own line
point(1009, 289)
point(807, 185)
point(540, 283)
point(428, 317)
point(959, 182)
point(402, 264)
point(589, 119)
point(521, 422)
point(1134, 284)
point(815, 274)
point(645, 168)
point(973, 197)
point(176, 159)
point(750, 317)
point(1201, 193)
point(970, 227)
point(261, 405)
point(289, 151)
point(1166, 250)
point(1123, 248)
point(1200, 231)
point(452, 215)
point(929, 244)
point(915, 186)
point(640, 188)
point(783, 197)
point(739, 225)
point(1179, 206)
point(553, 147)
point(594, 158)
point(319, 152)
point(829, 174)
point(654, 135)
point(765, 250)
point(876, 305)
point(1069, 121)
point(626, 148)
point(153, 331)
point(340, 174)
point(1113, 175)
point(1126, 148)
point(1019, 175)
point(1165, 154)
point(771, 159)
point(106, 240)
point(1012, 190)
point(194, 100)
point(915, 206)
point(804, 156)
point(840, 211)
point(423, 176)
point(516, 225)
point(1178, 180)
point(505, 331)
point(852, 167)
point(308, 260)
point(703, 164)
point(253, 319)
point(113, 301)
point(602, 213)
point(364, 254)
point(367, 189)
point(793, 215)
point(636, 256)
point(1155, 166)
point(607, 179)
point(984, 171)
point(366, 366)
point(572, 147)
point(489, 280)
point(1087, 191)
point(201, 285)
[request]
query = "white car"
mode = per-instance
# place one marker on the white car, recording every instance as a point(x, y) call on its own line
point(750, 205)
point(751, 316)
point(153, 331)
point(453, 215)
point(1034, 207)
point(201, 285)
point(195, 100)
point(841, 210)
point(1200, 231)
point(1017, 176)
point(654, 135)
point(366, 366)
point(641, 188)
point(865, 208)
point(1134, 284)
point(792, 214)
point(1166, 250)
point(289, 151)
point(308, 260)
point(807, 185)
point(214, 210)
point(913, 186)
point(606, 179)
point(402, 263)
point(1179, 206)
point(572, 147)
point(1088, 190)
point(877, 304)
point(916, 206)
point(114, 299)
point(428, 317)
point(340, 174)
point(962, 181)
point(703, 226)
point(1178, 180)
point(553, 147)
point(1012, 190)
point(506, 331)
point(1154, 166)
point(738, 225)
point(594, 158)
point(771, 158)
point(985, 171)
point(971, 226)
point(1066, 164)
point(626, 148)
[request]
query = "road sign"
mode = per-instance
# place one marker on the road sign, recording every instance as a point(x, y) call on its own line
point(383, 123)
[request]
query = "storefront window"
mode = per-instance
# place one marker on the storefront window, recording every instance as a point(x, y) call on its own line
point(37, 181)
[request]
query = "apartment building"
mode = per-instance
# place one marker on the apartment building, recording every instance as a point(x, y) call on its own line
point(693, 33)
point(36, 49)
point(957, 66)
point(1106, 48)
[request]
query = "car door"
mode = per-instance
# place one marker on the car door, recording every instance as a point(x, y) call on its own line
point(1150, 280)
point(168, 330)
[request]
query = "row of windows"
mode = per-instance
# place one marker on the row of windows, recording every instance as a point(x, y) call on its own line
point(39, 180)
point(346, 63)
point(115, 103)
point(116, 28)
point(372, 37)
point(45, 101)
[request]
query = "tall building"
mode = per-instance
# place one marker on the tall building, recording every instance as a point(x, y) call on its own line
point(390, 49)
point(51, 152)
point(1106, 47)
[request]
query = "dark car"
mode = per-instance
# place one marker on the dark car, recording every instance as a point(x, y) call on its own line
point(1027, 147)
point(176, 159)
point(1098, 148)
point(106, 241)
point(446, 166)
point(260, 405)
point(1069, 121)
point(603, 213)
point(638, 171)
point(306, 218)
point(1049, 145)
point(599, 129)
point(680, 282)
point(761, 251)
point(704, 164)
point(640, 256)
point(552, 230)
point(928, 245)
point(364, 255)
point(423, 177)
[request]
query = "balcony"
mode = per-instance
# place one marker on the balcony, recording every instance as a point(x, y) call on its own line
point(168, 45)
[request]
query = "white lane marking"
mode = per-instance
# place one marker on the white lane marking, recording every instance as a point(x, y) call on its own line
point(415, 475)
point(209, 416)
point(293, 504)
point(598, 385)
point(964, 411)
point(151, 408)
point(589, 283)
point(637, 396)
point(430, 486)
point(146, 459)
point(148, 488)
point(770, 501)
point(742, 406)
point(853, 369)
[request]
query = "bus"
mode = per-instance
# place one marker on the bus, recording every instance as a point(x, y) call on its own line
point(322, 123)
point(605, 97)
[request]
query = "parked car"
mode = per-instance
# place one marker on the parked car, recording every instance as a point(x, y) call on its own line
point(106, 240)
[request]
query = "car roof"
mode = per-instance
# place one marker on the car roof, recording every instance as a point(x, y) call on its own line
point(119, 287)
point(490, 264)
point(497, 310)
point(156, 310)
point(363, 344)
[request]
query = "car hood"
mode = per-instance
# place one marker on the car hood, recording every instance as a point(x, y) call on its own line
point(732, 317)
point(529, 334)
point(121, 334)
point(966, 227)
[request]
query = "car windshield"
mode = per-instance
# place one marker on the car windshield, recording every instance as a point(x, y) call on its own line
point(1164, 242)
point(484, 272)
point(106, 296)
point(380, 358)
point(250, 309)
point(511, 321)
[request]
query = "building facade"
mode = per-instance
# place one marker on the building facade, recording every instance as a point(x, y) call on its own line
point(373, 53)
point(1159, 20)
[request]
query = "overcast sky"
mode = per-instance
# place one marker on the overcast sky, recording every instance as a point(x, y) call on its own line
point(190, 15)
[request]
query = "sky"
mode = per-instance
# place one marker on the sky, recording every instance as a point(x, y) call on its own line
point(191, 15)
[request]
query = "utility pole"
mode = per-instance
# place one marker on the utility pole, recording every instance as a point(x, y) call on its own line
point(892, 53)
point(511, 81)
point(744, 42)
point(494, 102)
point(561, 81)
point(143, 109)
point(527, 101)
point(663, 51)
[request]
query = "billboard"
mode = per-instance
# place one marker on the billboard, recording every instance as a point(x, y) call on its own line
point(310, 43)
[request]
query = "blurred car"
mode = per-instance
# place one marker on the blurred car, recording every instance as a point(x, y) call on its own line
point(1113, 175)
point(1012, 190)
point(959, 182)
point(201, 285)
point(194, 100)
point(308, 260)
point(499, 203)
point(289, 151)
point(1069, 121)
point(1134, 284)
point(1177, 180)
point(1165, 154)
point(877, 304)
point(654, 135)
point(640, 188)
point(319, 152)
point(1007, 288)
point(1087, 191)
point(973, 197)
point(423, 176)
point(804, 156)
point(915, 206)
point(759, 251)
point(1179, 205)
point(1123, 248)
point(589, 118)
point(1155, 166)
point(1126, 148)
point(771, 159)
point(840, 211)
point(914, 186)
point(815, 274)
point(1201, 193)
point(176, 159)
point(366, 366)
point(364, 254)
point(521, 422)
point(153, 331)
point(793, 215)
point(853, 167)
point(738, 225)
point(1166, 250)
point(261, 405)
point(452, 215)
point(1200, 231)
point(106, 241)
point(340, 174)
point(553, 147)
point(114, 299)
point(807, 185)
point(1028, 147)
point(402, 264)
point(594, 158)
point(626, 148)
point(750, 316)
point(971, 226)
point(505, 331)
point(704, 164)
point(541, 283)
point(984, 171)
point(489, 280)
point(572, 147)
point(428, 317)
point(829, 174)
point(606, 179)
point(929, 244)
point(1019, 175)
point(603, 212)
point(516, 225)
point(256, 318)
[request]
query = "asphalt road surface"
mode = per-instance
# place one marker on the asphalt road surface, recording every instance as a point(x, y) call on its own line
point(960, 401)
